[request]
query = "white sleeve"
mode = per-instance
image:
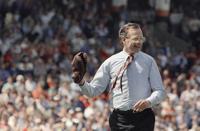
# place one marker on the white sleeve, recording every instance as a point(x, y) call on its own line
point(99, 83)
point(156, 83)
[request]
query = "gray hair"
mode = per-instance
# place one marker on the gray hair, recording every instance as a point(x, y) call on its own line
point(123, 30)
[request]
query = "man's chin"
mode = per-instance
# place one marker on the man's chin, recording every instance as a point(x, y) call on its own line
point(137, 50)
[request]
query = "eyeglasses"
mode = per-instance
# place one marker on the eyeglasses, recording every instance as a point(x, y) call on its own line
point(140, 39)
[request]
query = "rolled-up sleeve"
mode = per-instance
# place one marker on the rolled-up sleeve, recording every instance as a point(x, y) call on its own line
point(156, 84)
point(99, 83)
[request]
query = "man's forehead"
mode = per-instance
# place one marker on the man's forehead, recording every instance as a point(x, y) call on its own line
point(135, 32)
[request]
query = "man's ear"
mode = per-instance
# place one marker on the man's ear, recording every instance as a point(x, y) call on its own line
point(123, 41)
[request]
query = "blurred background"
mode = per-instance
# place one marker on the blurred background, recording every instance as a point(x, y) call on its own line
point(38, 39)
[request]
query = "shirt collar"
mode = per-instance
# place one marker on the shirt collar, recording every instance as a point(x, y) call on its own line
point(125, 54)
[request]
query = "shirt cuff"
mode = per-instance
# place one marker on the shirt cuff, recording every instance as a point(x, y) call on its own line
point(150, 102)
point(84, 86)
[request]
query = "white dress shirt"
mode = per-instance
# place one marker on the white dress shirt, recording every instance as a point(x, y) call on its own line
point(141, 80)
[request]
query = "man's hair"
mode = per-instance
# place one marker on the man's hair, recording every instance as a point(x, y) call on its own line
point(124, 29)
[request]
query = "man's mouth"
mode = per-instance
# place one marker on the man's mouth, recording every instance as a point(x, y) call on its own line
point(137, 46)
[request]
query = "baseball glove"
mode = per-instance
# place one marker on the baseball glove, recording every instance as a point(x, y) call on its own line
point(79, 64)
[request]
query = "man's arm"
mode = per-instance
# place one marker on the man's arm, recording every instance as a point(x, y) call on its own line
point(156, 84)
point(99, 82)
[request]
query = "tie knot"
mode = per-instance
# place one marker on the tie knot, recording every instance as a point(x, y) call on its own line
point(129, 59)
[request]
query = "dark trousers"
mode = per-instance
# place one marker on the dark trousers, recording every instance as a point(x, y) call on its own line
point(130, 121)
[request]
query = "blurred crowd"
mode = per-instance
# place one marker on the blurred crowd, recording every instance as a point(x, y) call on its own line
point(38, 40)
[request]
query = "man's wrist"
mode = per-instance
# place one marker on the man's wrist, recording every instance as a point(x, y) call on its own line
point(82, 82)
point(149, 104)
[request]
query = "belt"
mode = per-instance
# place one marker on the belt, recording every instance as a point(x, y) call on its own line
point(130, 111)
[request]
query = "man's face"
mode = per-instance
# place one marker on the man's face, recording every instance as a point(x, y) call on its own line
point(134, 41)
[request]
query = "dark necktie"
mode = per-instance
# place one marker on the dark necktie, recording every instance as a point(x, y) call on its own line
point(120, 73)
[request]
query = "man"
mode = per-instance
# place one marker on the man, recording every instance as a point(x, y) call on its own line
point(134, 80)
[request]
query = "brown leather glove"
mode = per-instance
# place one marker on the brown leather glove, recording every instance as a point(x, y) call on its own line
point(79, 64)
